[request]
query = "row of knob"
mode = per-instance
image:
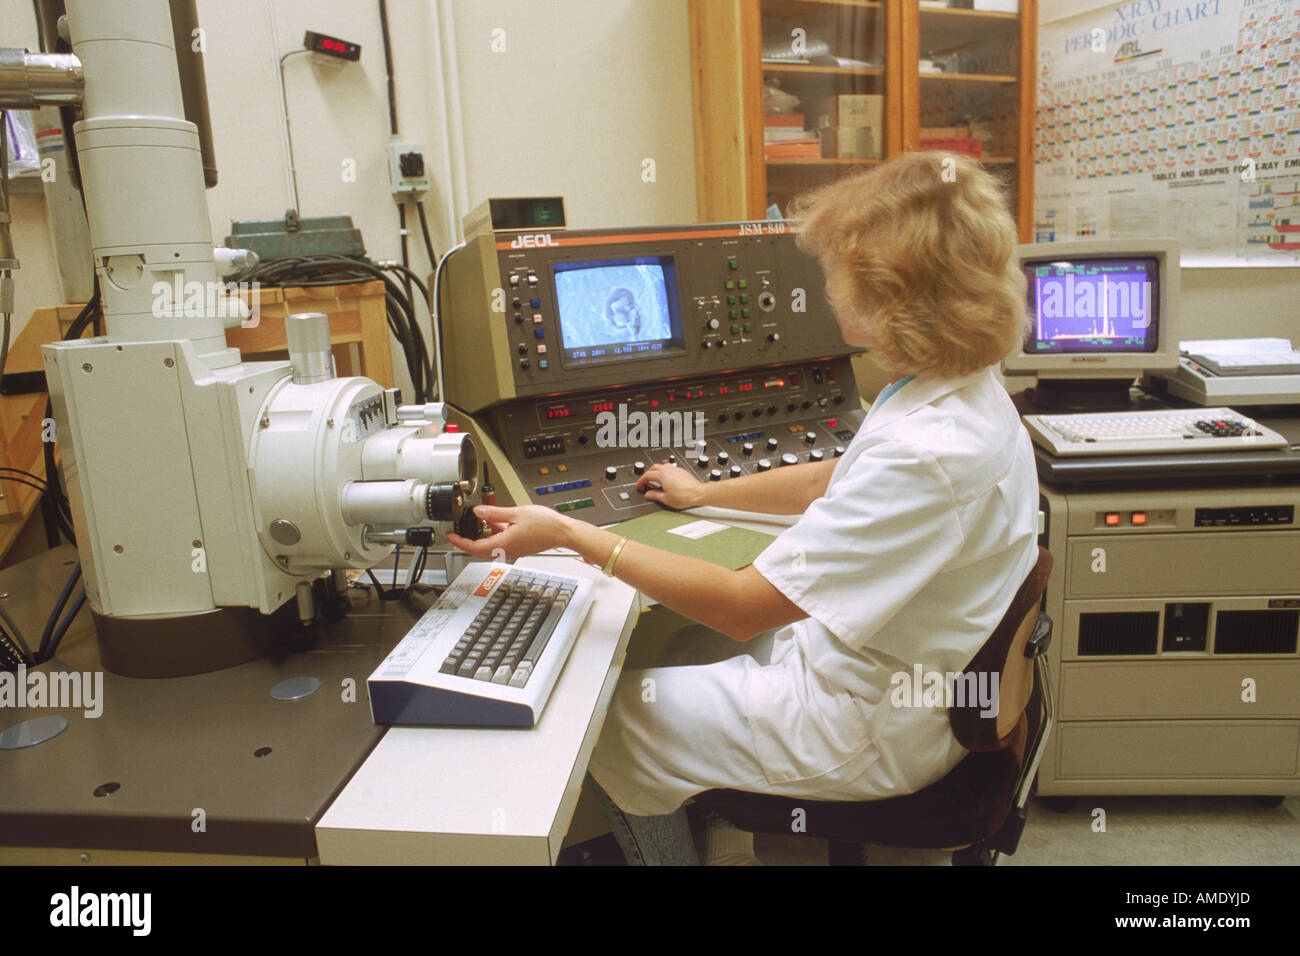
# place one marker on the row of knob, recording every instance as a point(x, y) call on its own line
point(702, 461)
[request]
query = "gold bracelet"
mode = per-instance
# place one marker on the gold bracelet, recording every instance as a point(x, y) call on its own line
point(608, 569)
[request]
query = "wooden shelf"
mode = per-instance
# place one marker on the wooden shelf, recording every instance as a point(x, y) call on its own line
point(822, 161)
point(810, 69)
point(977, 78)
point(944, 30)
point(794, 9)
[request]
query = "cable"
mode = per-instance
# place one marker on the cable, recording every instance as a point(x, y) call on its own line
point(51, 621)
point(435, 304)
point(388, 67)
point(288, 129)
point(64, 624)
point(424, 229)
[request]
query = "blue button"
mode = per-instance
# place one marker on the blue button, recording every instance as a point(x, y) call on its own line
point(540, 333)
point(535, 303)
point(540, 489)
point(585, 483)
point(542, 363)
point(568, 485)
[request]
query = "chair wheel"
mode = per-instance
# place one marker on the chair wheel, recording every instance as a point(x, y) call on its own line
point(1059, 804)
point(975, 855)
point(1269, 801)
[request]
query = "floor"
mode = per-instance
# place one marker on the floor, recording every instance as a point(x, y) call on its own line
point(1170, 831)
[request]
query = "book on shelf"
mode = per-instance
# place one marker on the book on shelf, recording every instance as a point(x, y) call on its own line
point(783, 120)
point(779, 134)
point(805, 148)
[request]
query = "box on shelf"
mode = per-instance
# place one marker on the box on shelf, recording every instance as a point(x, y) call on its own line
point(852, 109)
point(945, 132)
point(965, 146)
point(850, 142)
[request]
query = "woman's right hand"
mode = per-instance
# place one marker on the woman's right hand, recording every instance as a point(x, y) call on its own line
point(671, 486)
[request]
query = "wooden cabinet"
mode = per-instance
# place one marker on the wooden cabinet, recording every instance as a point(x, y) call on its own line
point(940, 77)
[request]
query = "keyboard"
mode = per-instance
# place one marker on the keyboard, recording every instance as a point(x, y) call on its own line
point(1150, 433)
point(487, 654)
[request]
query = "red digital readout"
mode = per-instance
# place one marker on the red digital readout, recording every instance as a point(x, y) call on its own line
point(328, 44)
point(557, 411)
point(745, 387)
point(598, 407)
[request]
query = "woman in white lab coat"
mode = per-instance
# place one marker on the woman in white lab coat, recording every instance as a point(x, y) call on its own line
point(908, 552)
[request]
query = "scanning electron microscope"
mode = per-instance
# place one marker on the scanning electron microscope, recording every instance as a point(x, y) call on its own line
point(214, 500)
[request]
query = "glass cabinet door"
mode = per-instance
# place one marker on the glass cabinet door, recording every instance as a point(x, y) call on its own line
point(825, 106)
point(968, 74)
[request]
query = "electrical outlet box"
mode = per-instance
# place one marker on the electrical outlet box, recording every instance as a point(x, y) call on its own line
point(408, 170)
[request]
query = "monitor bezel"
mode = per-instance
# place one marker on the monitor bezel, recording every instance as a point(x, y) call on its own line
point(1098, 364)
point(675, 344)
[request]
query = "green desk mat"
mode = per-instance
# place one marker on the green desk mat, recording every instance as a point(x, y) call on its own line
point(731, 547)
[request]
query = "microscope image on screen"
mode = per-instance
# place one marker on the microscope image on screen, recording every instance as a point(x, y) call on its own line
point(610, 304)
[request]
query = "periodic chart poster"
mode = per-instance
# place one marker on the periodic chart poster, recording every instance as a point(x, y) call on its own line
point(1173, 118)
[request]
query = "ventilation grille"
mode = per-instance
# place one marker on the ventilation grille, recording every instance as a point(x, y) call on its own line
point(1256, 632)
point(1126, 632)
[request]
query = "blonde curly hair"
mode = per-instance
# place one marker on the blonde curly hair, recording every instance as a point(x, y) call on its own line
point(919, 254)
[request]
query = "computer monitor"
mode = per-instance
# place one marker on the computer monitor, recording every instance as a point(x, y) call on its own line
point(1103, 311)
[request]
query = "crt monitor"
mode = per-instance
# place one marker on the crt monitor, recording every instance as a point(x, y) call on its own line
point(1099, 309)
point(617, 310)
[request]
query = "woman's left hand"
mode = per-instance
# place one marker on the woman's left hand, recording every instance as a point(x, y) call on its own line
point(519, 531)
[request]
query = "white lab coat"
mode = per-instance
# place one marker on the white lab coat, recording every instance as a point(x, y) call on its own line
point(926, 531)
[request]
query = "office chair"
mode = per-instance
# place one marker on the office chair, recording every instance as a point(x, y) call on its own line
point(978, 809)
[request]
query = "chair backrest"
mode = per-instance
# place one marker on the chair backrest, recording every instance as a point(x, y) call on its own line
point(1002, 654)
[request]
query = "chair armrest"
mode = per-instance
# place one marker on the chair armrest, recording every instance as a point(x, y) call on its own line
point(1036, 646)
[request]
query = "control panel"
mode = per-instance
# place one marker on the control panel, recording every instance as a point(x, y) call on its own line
point(531, 314)
point(583, 452)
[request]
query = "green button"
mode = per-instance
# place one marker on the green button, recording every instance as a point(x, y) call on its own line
point(732, 314)
point(745, 312)
point(735, 329)
point(744, 299)
point(731, 300)
point(741, 283)
point(733, 264)
point(587, 503)
point(730, 284)
point(562, 507)
point(749, 327)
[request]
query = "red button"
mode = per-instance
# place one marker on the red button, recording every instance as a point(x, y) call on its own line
point(1138, 517)
point(833, 422)
point(1112, 517)
point(452, 427)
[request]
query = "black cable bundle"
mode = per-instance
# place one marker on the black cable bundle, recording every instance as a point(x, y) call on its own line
point(318, 270)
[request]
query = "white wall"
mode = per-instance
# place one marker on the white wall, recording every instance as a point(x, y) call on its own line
point(583, 92)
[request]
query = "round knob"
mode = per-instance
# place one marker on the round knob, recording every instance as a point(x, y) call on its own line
point(764, 464)
point(700, 445)
point(747, 449)
point(523, 349)
point(772, 444)
point(638, 467)
point(810, 437)
point(789, 459)
point(822, 402)
point(771, 409)
point(611, 472)
point(816, 455)
point(702, 461)
point(722, 343)
point(723, 457)
point(790, 406)
point(307, 335)
point(706, 345)
point(735, 471)
point(715, 475)
point(839, 450)
point(712, 323)
point(774, 336)
point(672, 459)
